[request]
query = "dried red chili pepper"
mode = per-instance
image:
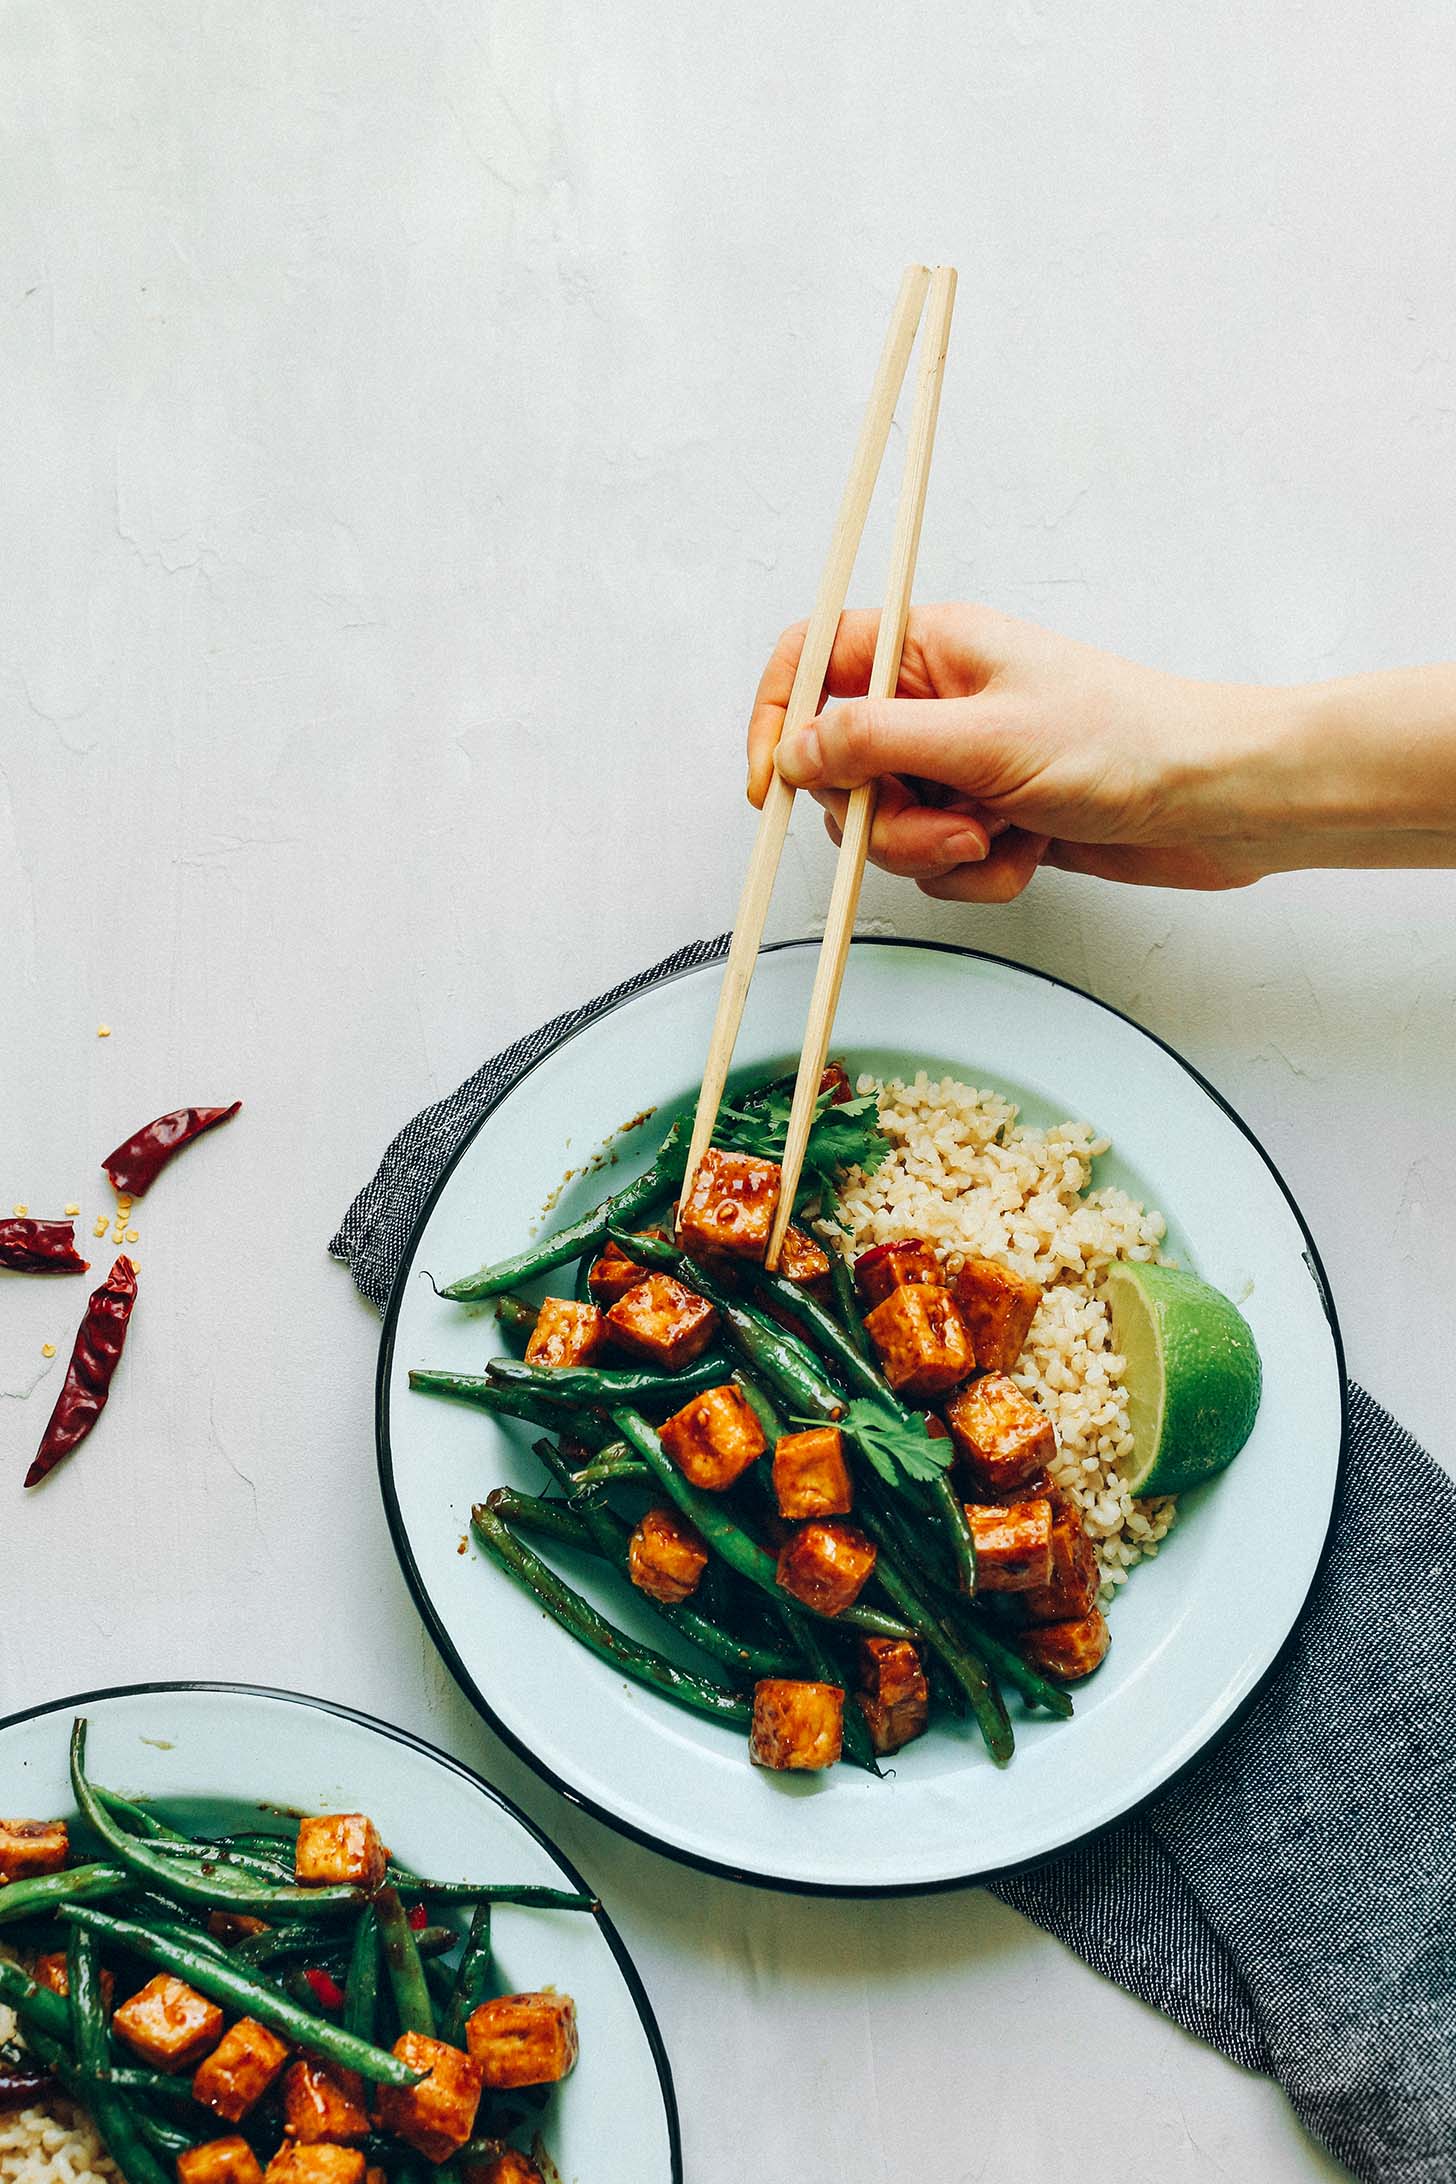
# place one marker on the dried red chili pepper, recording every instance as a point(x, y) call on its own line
point(95, 1357)
point(327, 1989)
point(22, 2088)
point(40, 1247)
point(138, 1163)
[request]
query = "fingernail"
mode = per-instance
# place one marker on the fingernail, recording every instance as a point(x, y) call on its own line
point(967, 848)
point(800, 759)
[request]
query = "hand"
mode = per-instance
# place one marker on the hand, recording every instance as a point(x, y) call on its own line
point(1007, 747)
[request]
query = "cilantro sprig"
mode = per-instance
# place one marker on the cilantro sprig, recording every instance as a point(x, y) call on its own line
point(844, 1136)
point(892, 1444)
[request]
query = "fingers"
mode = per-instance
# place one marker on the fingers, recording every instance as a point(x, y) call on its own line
point(1000, 877)
point(848, 674)
point(940, 739)
point(913, 840)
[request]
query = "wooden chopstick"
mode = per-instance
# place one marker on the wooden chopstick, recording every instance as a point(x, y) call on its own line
point(884, 675)
point(803, 704)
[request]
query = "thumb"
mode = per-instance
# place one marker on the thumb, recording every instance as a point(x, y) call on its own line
point(938, 739)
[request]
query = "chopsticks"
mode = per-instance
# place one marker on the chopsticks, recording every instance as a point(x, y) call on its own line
point(773, 824)
point(884, 675)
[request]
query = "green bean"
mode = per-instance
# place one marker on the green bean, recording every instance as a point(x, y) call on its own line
point(612, 1645)
point(154, 2083)
point(507, 1402)
point(230, 1892)
point(34, 2005)
point(38, 1897)
point(144, 1822)
point(609, 1470)
point(960, 1657)
point(517, 1314)
point(361, 1982)
point(472, 1977)
point(270, 1871)
point(586, 1234)
point(729, 1540)
point(559, 1522)
point(1028, 1681)
point(580, 1385)
point(412, 2004)
point(858, 1746)
point(174, 1929)
point(841, 1281)
point(581, 1280)
point(532, 1895)
point(249, 1997)
point(160, 2136)
point(111, 2112)
point(859, 1374)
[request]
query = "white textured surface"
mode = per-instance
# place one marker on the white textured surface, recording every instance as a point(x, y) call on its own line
point(419, 422)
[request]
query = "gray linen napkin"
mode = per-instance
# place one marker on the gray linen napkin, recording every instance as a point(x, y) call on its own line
point(1292, 1899)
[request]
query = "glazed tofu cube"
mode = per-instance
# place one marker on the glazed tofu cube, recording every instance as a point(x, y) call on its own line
point(1070, 1592)
point(730, 1206)
point(666, 1556)
point(1013, 1545)
point(662, 1321)
point(796, 1725)
point(239, 2070)
point(323, 2103)
point(219, 2161)
point(614, 1273)
point(923, 1345)
point(339, 1847)
point(802, 1261)
point(1068, 1651)
point(894, 1696)
point(896, 1266)
point(826, 1566)
point(297, 2164)
point(1002, 1436)
point(566, 1333)
point(437, 2115)
point(506, 2166)
point(810, 1475)
point(169, 2024)
point(998, 1308)
point(524, 2039)
point(715, 1438)
point(32, 1847)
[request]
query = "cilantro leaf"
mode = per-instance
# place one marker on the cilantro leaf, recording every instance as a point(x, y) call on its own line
point(840, 1137)
point(889, 1442)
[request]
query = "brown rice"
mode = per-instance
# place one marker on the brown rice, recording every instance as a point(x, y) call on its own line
point(967, 1176)
point(56, 2144)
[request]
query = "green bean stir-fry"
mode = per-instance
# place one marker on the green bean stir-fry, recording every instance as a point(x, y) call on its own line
point(297, 2007)
point(824, 1477)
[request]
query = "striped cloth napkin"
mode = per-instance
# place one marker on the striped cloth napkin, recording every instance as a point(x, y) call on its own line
point(1292, 1899)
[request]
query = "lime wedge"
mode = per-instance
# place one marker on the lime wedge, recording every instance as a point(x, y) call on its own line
point(1193, 1375)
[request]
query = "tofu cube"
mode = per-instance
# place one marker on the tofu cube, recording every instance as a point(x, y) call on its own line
point(219, 2161)
point(169, 2024)
point(297, 2164)
point(1013, 1545)
point(894, 1696)
point(921, 1337)
point(1068, 1651)
point(335, 1847)
point(613, 1274)
point(240, 2070)
point(1000, 1434)
point(32, 1847)
point(1073, 1582)
point(810, 1475)
point(506, 2167)
point(523, 2039)
point(662, 1321)
point(798, 1726)
point(566, 1333)
point(826, 1565)
point(895, 1266)
point(666, 1556)
point(323, 2103)
point(730, 1205)
point(998, 1308)
point(802, 1261)
point(437, 2115)
point(715, 1438)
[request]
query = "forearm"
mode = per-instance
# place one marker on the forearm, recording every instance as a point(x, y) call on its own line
point(1360, 771)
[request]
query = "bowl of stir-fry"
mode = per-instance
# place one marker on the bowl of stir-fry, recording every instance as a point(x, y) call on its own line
point(247, 1938)
point(888, 1525)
